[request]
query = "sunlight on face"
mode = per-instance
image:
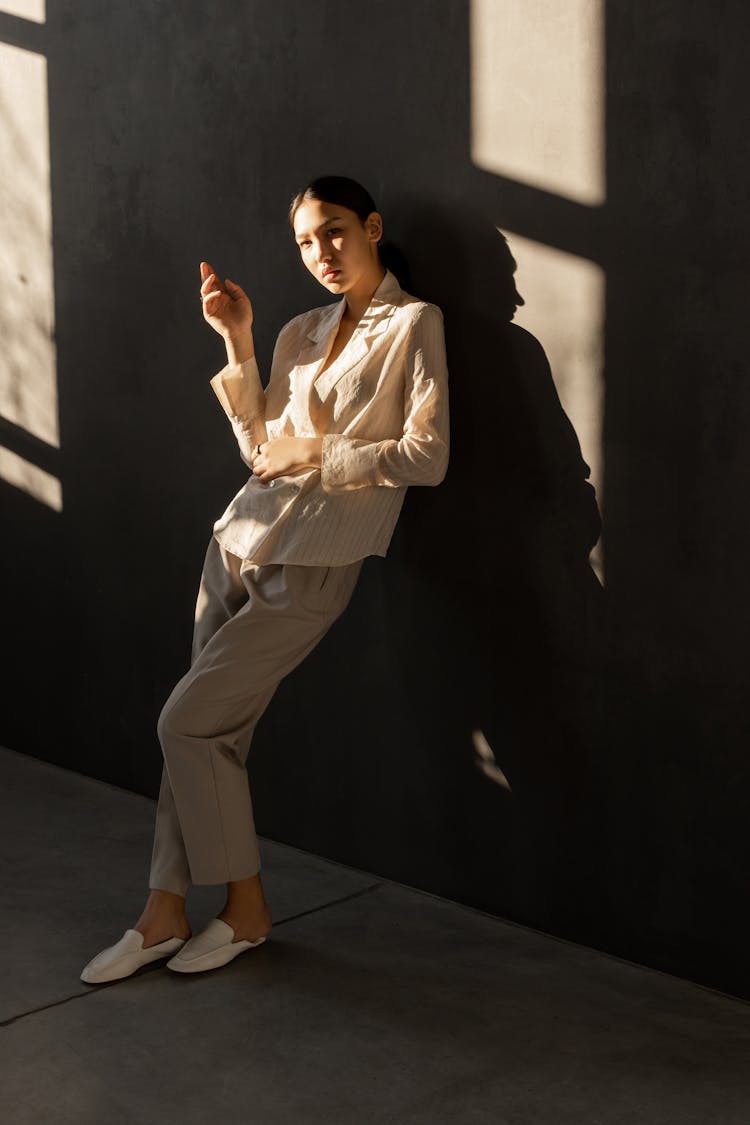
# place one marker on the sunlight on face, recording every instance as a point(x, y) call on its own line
point(332, 238)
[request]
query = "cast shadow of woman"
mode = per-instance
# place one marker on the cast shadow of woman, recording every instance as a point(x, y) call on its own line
point(509, 599)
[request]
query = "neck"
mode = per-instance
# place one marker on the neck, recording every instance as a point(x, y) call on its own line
point(358, 298)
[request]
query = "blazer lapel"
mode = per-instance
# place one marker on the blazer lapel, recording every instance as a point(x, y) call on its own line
point(318, 343)
point(374, 322)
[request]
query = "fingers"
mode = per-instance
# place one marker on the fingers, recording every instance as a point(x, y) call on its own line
point(208, 273)
point(212, 302)
point(211, 284)
point(261, 468)
point(236, 292)
point(216, 298)
point(211, 292)
point(210, 280)
point(258, 459)
point(265, 476)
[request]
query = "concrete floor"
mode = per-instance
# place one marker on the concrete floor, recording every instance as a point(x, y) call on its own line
point(370, 1002)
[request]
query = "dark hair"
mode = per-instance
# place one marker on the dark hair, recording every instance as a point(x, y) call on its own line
point(345, 192)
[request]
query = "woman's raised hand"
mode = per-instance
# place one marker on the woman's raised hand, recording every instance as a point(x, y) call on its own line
point(226, 306)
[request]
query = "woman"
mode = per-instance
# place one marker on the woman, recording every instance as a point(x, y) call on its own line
point(356, 410)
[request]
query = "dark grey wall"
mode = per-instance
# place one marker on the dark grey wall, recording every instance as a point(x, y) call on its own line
point(618, 715)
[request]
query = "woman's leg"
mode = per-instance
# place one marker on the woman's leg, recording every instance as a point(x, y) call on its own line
point(221, 593)
point(207, 723)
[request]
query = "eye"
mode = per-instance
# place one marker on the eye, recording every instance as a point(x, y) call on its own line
point(334, 230)
point(306, 242)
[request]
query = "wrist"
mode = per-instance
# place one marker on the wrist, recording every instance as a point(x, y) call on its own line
point(240, 348)
point(315, 451)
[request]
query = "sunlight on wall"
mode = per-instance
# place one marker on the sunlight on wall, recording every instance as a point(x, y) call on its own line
point(564, 309)
point(33, 10)
point(30, 479)
point(538, 118)
point(485, 760)
point(537, 94)
point(28, 376)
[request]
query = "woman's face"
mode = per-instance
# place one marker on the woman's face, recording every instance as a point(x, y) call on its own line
point(337, 248)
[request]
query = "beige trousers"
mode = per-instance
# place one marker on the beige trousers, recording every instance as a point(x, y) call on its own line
point(253, 624)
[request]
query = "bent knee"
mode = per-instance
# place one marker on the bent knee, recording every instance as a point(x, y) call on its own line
point(173, 720)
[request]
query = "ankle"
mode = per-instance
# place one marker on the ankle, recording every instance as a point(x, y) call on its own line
point(162, 906)
point(247, 924)
point(156, 895)
point(245, 896)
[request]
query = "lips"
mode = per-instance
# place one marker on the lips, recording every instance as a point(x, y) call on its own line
point(329, 273)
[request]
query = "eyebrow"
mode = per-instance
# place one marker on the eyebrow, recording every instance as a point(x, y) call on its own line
point(336, 218)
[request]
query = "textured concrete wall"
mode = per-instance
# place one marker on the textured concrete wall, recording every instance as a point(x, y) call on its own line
point(616, 713)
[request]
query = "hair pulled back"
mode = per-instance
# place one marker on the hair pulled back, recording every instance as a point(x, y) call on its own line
point(342, 191)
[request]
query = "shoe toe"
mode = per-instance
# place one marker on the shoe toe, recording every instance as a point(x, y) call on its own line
point(125, 956)
point(107, 964)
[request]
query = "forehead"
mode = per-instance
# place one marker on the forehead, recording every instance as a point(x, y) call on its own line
point(313, 214)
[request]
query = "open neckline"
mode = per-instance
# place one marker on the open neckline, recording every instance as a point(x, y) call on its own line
point(327, 366)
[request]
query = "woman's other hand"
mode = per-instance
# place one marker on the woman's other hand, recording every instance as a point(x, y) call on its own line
point(286, 456)
point(226, 307)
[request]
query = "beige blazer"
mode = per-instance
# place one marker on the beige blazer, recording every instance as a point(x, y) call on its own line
point(382, 410)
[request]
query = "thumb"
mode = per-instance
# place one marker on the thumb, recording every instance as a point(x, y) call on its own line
point(235, 289)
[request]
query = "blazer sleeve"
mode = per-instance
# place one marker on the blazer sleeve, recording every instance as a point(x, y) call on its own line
point(420, 455)
point(240, 392)
point(246, 404)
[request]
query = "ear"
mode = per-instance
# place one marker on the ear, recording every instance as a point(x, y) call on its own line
point(375, 225)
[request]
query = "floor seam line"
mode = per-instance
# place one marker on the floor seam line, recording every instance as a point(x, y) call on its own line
point(333, 902)
point(157, 965)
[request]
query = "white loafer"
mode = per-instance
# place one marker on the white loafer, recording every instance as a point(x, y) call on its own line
point(211, 948)
point(127, 955)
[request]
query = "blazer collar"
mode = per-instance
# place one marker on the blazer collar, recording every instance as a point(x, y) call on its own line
point(321, 335)
point(382, 303)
